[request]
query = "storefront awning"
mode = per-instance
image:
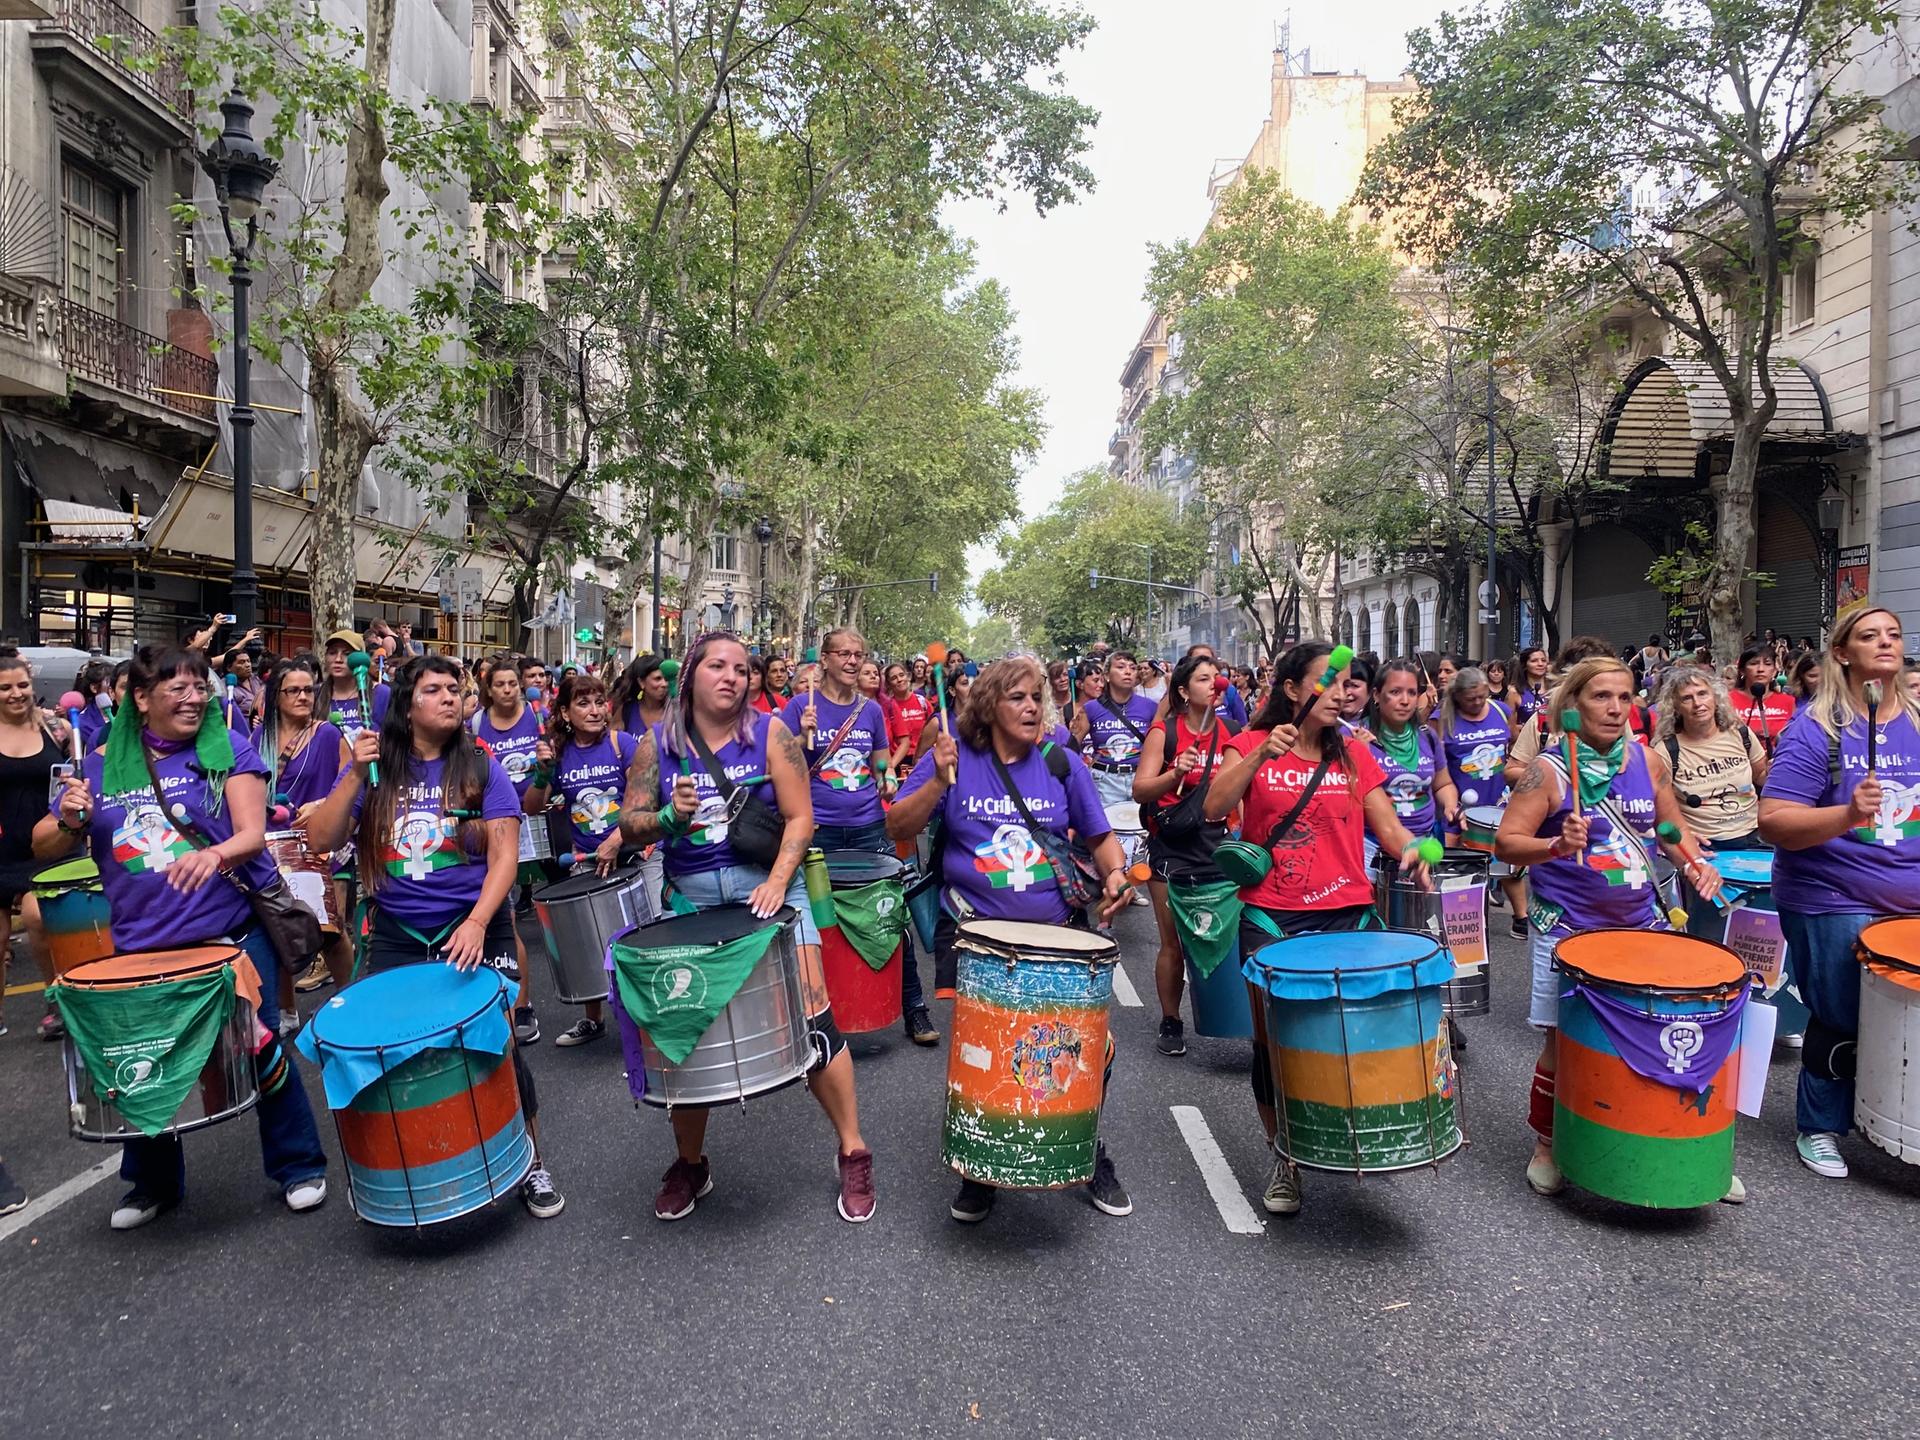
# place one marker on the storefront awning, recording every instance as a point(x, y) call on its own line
point(1670, 413)
point(90, 487)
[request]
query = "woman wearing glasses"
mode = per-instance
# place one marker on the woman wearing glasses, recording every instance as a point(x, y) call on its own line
point(306, 755)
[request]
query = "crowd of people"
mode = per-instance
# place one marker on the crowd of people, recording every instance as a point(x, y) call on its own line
point(414, 776)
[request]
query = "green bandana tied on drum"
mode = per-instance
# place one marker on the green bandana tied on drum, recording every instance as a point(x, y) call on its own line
point(873, 918)
point(673, 992)
point(1402, 746)
point(124, 768)
point(145, 1045)
point(1597, 770)
point(1208, 919)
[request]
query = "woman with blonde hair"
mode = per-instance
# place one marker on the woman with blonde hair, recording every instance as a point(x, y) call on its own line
point(1718, 765)
point(1591, 869)
point(1842, 806)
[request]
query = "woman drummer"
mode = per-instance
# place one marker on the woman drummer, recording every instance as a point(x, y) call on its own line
point(673, 798)
point(305, 758)
point(161, 859)
point(583, 763)
point(1593, 869)
point(1529, 680)
point(1842, 807)
point(1001, 721)
point(510, 729)
point(1718, 765)
point(1476, 731)
point(1181, 754)
point(28, 753)
point(438, 841)
point(1318, 881)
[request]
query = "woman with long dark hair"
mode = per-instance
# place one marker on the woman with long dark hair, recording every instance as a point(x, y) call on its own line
point(438, 841)
point(305, 757)
point(639, 697)
point(1756, 704)
point(29, 750)
point(510, 729)
point(173, 800)
point(673, 799)
point(1293, 750)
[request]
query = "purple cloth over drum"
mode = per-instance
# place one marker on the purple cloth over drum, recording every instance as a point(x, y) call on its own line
point(1680, 1051)
point(629, 1046)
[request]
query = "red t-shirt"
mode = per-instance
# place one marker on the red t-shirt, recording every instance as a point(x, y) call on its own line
point(907, 718)
point(1183, 738)
point(1766, 718)
point(1322, 864)
point(762, 704)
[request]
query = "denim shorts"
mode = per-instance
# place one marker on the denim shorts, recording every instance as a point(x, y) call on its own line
point(734, 883)
point(1543, 1008)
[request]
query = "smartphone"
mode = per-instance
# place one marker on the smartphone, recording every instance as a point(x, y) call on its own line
point(226, 619)
point(57, 778)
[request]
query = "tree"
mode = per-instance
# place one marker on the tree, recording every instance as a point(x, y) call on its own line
point(1283, 313)
point(1675, 151)
point(1044, 583)
point(392, 375)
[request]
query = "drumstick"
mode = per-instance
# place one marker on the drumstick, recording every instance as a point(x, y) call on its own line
point(359, 662)
point(232, 692)
point(1570, 728)
point(937, 662)
point(1689, 852)
point(1340, 658)
point(72, 702)
point(1873, 725)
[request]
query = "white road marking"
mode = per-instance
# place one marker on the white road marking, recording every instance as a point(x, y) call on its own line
point(1123, 987)
point(59, 1195)
point(1228, 1198)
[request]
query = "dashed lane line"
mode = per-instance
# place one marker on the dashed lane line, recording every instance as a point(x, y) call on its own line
point(1123, 987)
point(1228, 1198)
point(59, 1195)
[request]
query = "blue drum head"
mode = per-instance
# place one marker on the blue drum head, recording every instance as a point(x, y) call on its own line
point(405, 1005)
point(1746, 868)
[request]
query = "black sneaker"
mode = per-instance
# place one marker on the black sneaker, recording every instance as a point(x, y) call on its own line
point(920, 1027)
point(543, 1202)
point(1517, 927)
point(1173, 1036)
point(526, 1025)
point(973, 1204)
point(581, 1031)
point(13, 1195)
point(1105, 1190)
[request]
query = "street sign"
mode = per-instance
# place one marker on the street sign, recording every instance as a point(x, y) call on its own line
point(468, 582)
point(1489, 617)
point(1488, 595)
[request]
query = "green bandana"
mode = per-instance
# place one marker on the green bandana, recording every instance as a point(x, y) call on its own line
point(125, 770)
point(144, 1047)
point(1207, 917)
point(674, 992)
point(1402, 748)
point(1597, 770)
point(873, 918)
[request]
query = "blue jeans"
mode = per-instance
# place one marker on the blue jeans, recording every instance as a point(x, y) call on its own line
point(872, 837)
point(1820, 959)
point(289, 1143)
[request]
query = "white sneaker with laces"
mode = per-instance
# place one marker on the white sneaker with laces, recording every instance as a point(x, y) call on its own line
point(308, 1194)
point(1282, 1195)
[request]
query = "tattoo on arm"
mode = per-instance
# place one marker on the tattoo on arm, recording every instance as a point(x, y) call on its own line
point(639, 814)
point(1535, 777)
point(790, 750)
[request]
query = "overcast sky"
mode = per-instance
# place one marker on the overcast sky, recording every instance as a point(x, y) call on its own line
point(1177, 86)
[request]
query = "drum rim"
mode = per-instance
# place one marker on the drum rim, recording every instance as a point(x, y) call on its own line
point(1421, 935)
point(320, 1042)
point(227, 956)
point(1102, 950)
point(38, 882)
point(1865, 953)
point(1588, 977)
point(619, 879)
point(785, 917)
point(1718, 858)
point(1497, 811)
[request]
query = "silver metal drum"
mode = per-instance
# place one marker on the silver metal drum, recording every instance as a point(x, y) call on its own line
point(758, 1043)
point(1403, 905)
point(580, 915)
point(536, 838)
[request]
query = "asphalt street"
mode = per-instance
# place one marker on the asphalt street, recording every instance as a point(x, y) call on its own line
point(1439, 1300)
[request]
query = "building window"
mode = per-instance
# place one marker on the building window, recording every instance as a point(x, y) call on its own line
point(1411, 619)
point(95, 210)
point(726, 552)
point(1803, 293)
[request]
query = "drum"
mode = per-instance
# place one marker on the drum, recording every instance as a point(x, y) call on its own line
point(1129, 830)
point(1649, 1064)
point(579, 916)
point(1026, 1073)
point(747, 1010)
point(1357, 1037)
point(417, 1063)
point(1206, 915)
point(1748, 877)
point(308, 876)
point(1886, 1086)
point(536, 839)
point(869, 903)
point(923, 903)
point(162, 1022)
point(1478, 827)
point(1444, 913)
point(73, 914)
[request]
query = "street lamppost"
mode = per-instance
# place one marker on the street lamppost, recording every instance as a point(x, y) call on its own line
point(762, 629)
point(240, 170)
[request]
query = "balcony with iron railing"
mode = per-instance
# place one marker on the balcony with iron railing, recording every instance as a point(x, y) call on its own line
point(100, 348)
point(111, 36)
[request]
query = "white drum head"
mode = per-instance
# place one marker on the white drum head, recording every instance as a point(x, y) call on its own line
point(1035, 941)
point(1125, 817)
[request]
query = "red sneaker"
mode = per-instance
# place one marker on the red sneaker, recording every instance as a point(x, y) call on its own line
point(680, 1187)
point(856, 1187)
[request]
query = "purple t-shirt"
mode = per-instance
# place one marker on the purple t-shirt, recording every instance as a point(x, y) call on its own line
point(991, 863)
point(706, 846)
point(591, 780)
point(513, 747)
point(844, 788)
point(1476, 755)
point(1114, 743)
point(311, 775)
point(1872, 869)
point(1610, 884)
point(1411, 791)
point(134, 840)
point(431, 879)
point(347, 715)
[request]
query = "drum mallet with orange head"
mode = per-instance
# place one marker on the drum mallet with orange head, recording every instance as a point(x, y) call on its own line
point(73, 702)
point(1570, 729)
point(937, 662)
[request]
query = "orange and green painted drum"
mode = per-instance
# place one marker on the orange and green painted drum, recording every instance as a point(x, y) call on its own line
point(1479, 825)
point(417, 1063)
point(73, 914)
point(1649, 1065)
point(1026, 1073)
point(1357, 1033)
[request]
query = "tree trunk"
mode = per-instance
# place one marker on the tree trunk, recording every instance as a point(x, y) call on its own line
point(345, 431)
point(1735, 506)
point(699, 536)
point(805, 577)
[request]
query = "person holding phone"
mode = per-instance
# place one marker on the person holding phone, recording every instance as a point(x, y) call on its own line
point(31, 761)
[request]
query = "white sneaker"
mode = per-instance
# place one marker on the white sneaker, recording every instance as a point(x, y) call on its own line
point(134, 1210)
point(1820, 1153)
point(289, 1024)
point(1282, 1195)
point(307, 1194)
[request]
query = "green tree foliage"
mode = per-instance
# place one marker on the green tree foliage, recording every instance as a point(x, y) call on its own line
point(1043, 584)
point(1288, 325)
point(1563, 154)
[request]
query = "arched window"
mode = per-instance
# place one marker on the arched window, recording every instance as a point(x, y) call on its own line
point(1411, 619)
point(1365, 642)
point(1389, 630)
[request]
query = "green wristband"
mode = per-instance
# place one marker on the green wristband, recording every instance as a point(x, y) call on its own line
point(542, 776)
point(669, 819)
